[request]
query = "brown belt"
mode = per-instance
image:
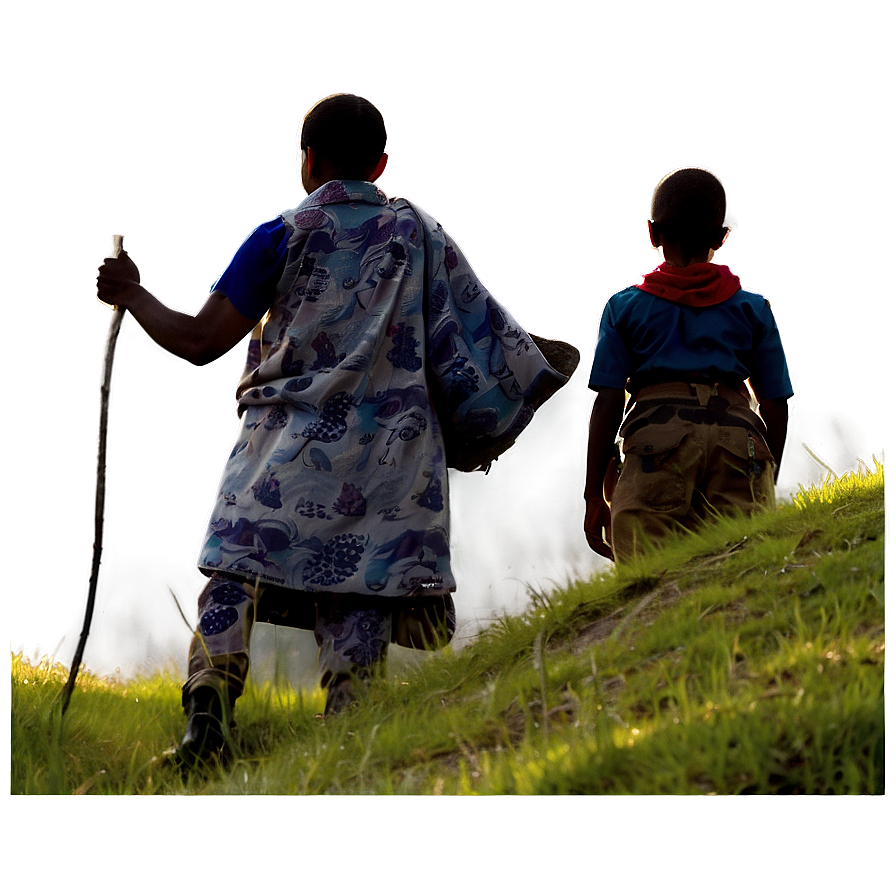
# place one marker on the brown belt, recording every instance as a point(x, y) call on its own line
point(696, 393)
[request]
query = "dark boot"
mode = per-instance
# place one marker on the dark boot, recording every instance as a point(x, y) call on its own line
point(340, 694)
point(206, 739)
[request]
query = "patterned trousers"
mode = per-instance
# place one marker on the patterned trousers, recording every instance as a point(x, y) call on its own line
point(691, 452)
point(352, 634)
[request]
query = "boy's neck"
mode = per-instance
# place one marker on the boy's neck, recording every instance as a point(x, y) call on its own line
point(677, 258)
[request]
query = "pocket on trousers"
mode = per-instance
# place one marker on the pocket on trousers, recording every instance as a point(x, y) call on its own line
point(751, 466)
point(652, 476)
point(655, 440)
point(748, 446)
point(744, 443)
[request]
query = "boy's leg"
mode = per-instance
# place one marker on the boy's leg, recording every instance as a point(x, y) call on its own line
point(218, 664)
point(353, 632)
point(219, 652)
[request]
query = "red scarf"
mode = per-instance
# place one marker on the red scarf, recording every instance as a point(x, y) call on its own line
point(697, 285)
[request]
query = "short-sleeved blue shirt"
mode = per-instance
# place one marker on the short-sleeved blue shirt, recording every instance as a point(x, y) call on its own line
point(645, 339)
point(250, 281)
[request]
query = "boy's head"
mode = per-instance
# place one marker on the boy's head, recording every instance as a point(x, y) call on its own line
point(347, 138)
point(688, 213)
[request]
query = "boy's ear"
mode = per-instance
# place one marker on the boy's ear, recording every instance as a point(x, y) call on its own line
point(725, 232)
point(308, 158)
point(656, 239)
point(380, 167)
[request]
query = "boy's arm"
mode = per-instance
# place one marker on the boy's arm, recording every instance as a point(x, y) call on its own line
point(216, 329)
point(606, 415)
point(774, 414)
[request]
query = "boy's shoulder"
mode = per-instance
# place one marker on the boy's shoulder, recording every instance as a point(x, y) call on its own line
point(626, 296)
point(633, 301)
point(404, 204)
point(754, 300)
point(749, 295)
point(628, 292)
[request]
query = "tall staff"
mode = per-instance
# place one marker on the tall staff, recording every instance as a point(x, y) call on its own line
point(115, 326)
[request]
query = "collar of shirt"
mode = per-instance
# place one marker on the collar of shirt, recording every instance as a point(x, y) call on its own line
point(311, 215)
point(344, 191)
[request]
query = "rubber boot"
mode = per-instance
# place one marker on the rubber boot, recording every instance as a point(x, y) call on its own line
point(340, 694)
point(206, 739)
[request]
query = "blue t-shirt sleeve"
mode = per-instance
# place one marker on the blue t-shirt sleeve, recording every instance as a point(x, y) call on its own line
point(770, 378)
point(612, 363)
point(250, 281)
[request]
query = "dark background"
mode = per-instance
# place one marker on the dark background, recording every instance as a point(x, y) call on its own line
point(534, 131)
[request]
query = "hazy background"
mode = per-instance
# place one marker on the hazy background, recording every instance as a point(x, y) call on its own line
point(535, 138)
point(535, 133)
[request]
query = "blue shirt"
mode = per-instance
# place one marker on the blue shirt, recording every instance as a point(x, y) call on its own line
point(645, 339)
point(250, 281)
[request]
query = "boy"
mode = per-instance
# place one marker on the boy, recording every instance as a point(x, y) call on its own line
point(683, 343)
point(332, 513)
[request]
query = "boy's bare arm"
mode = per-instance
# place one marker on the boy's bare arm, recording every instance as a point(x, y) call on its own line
point(199, 339)
point(774, 414)
point(606, 415)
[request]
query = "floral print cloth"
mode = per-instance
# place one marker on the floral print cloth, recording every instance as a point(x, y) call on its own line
point(338, 478)
point(353, 635)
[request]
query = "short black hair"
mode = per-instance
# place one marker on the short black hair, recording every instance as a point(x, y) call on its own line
point(348, 131)
point(688, 208)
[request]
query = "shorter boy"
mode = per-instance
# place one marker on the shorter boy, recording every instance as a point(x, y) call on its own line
point(683, 344)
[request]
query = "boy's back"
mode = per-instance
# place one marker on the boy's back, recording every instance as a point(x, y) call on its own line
point(340, 469)
point(645, 339)
point(326, 375)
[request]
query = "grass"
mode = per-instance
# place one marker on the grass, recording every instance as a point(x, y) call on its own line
point(747, 658)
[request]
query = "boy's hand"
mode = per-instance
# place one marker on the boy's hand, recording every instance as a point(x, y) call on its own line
point(118, 280)
point(597, 527)
point(602, 467)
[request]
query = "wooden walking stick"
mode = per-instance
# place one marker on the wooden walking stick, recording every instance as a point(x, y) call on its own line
point(115, 326)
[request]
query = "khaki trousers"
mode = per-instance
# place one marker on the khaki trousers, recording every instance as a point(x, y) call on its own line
point(691, 452)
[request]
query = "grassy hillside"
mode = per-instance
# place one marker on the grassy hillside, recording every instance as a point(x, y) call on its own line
point(748, 658)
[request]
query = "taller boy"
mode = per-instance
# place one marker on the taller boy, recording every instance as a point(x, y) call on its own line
point(683, 343)
point(332, 512)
